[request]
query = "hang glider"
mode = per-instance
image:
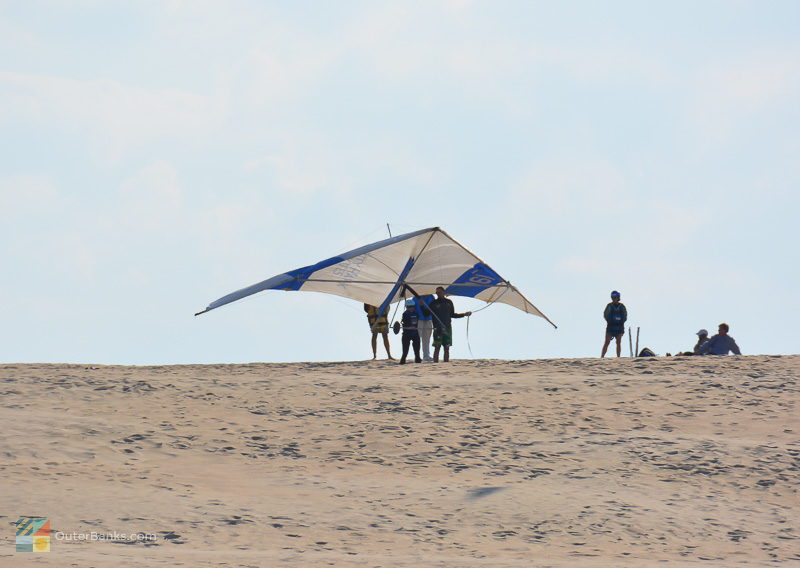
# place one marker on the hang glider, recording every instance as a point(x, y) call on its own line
point(384, 272)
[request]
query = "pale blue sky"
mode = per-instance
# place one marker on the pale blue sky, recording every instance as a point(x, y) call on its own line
point(158, 155)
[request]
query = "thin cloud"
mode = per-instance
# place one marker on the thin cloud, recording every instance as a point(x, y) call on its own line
point(116, 116)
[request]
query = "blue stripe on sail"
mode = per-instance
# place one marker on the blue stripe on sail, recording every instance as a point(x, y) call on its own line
point(300, 275)
point(477, 279)
point(396, 287)
point(274, 283)
point(294, 279)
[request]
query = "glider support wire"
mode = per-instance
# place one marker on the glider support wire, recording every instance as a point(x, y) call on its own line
point(460, 284)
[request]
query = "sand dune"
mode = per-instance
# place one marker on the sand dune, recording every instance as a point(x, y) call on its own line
point(563, 463)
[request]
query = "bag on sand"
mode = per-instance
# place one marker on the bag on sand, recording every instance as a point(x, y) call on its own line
point(646, 352)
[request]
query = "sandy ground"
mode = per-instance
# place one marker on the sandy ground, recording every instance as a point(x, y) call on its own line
point(562, 463)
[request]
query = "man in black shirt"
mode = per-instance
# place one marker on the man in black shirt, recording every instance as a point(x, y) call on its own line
point(410, 331)
point(443, 312)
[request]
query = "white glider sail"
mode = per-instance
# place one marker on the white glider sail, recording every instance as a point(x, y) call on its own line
point(386, 271)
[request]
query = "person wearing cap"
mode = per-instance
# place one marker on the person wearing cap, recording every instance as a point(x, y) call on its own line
point(702, 337)
point(720, 344)
point(410, 322)
point(378, 323)
point(615, 315)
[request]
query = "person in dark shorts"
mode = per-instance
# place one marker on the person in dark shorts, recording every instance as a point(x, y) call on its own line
point(615, 315)
point(378, 323)
point(410, 331)
point(443, 312)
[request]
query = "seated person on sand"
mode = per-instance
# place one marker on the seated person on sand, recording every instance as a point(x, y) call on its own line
point(378, 323)
point(720, 344)
point(702, 337)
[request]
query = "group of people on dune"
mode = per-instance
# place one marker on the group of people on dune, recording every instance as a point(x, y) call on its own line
point(427, 316)
point(424, 316)
point(616, 314)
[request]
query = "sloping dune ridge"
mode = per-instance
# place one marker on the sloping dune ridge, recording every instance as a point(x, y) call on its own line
point(480, 463)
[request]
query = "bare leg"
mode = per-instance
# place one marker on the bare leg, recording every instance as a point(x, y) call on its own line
point(386, 345)
point(619, 345)
point(605, 345)
point(446, 354)
point(374, 345)
point(436, 354)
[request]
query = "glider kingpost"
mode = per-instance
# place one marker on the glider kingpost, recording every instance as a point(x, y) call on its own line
point(384, 272)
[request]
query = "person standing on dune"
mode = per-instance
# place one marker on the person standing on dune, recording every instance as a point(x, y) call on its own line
point(615, 314)
point(443, 311)
point(411, 322)
point(425, 325)
point(378, 323)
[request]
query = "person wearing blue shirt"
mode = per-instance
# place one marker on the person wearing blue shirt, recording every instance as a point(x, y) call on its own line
point(720, 344)
point(425, 324)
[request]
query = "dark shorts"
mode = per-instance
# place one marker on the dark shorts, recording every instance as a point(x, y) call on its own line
point(442, 337)
point(410, 338)
point(615, 331)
